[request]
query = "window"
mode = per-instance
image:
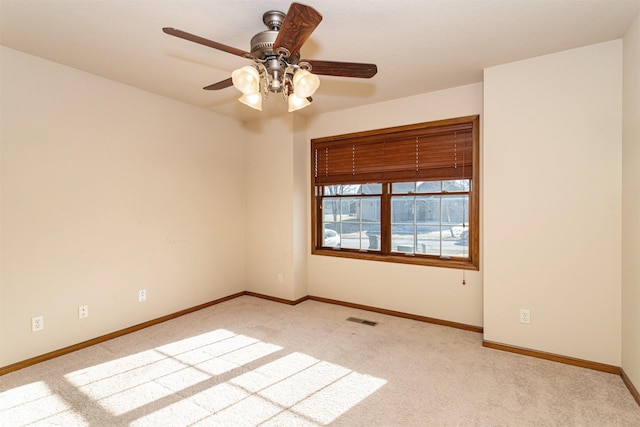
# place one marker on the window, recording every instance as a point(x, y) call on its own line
point(406, 194)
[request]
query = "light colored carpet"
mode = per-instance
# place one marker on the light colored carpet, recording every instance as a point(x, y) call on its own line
point(250, 361)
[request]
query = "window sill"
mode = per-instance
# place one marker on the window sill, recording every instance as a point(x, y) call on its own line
point(401, 259)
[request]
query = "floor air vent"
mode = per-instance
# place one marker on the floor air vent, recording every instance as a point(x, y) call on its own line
point(364, 322)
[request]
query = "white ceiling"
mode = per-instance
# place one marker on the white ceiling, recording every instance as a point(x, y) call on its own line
point(418, 45)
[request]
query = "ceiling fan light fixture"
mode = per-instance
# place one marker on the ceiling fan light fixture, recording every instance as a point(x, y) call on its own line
point(277, 67)
point(305, 84)
point(253, 100)
point(246, 79)
point(297, 103)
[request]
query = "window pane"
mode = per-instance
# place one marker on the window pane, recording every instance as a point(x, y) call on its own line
point(331, 209)
point(371, 209)
point(402, 209)
point(429, 186)
point(428, 209)
point(429, 240)
point(426, 186)
point(456, 185)
point(372, 240)
point(350, 207)
point(330, 190)
point(331, 221)
point(403, 238)
point(372, 189)
point(455, 242)
point(331, 237)
point(455, 210)
point(403, 187)
point(351, 189)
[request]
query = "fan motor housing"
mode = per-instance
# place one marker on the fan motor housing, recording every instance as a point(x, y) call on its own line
point(262, 46)
point(262, 43)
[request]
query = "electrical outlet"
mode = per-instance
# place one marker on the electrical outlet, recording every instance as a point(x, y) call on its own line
point(37, 323)
point(83, 312)
point(280, 278)
point(142, 295)
point(525, 316)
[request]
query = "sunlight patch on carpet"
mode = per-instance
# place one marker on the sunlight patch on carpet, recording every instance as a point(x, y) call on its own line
point(126, 384)
point(295, 388)
point(338, 397)
point(178, 384)
point(35, 403)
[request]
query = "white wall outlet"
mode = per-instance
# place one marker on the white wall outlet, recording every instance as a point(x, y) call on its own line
point(525, 316)
point(37, 323)
point(83, 312)
point(280, 278)
point(142, 295)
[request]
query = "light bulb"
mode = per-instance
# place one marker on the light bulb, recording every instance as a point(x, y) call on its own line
point(297, 103)
point(253, 100)
point(304, 83)
point(246, 80)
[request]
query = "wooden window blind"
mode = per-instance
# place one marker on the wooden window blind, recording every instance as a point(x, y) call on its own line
point(440, 150)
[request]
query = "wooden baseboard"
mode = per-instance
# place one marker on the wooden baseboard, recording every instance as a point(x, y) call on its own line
point(372, 309)
point(425, 319)
point(276, 299)
point(75, 347)
point(554, 357)
point(630, 386)
point(569, 361)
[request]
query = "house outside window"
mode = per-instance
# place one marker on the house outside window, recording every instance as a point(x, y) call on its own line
point(407, 194)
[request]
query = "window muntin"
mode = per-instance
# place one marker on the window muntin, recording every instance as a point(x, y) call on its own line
point(421, 180)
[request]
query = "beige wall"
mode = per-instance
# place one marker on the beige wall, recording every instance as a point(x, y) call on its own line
point(301, 208)
point(273, 209)
point(425, 291)
point(631, 206)
point(552, 202)
point(106, 190)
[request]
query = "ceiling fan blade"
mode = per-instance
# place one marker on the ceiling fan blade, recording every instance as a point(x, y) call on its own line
point(220, 85)
point(297, 27)
point(197, 39)
point(342, 69)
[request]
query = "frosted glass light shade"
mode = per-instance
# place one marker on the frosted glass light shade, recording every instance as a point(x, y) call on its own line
point(305, 84)
point(297, 103)
point(253, 100)
point(246, 80)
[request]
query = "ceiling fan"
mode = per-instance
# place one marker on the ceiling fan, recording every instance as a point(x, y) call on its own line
point(277, 67)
